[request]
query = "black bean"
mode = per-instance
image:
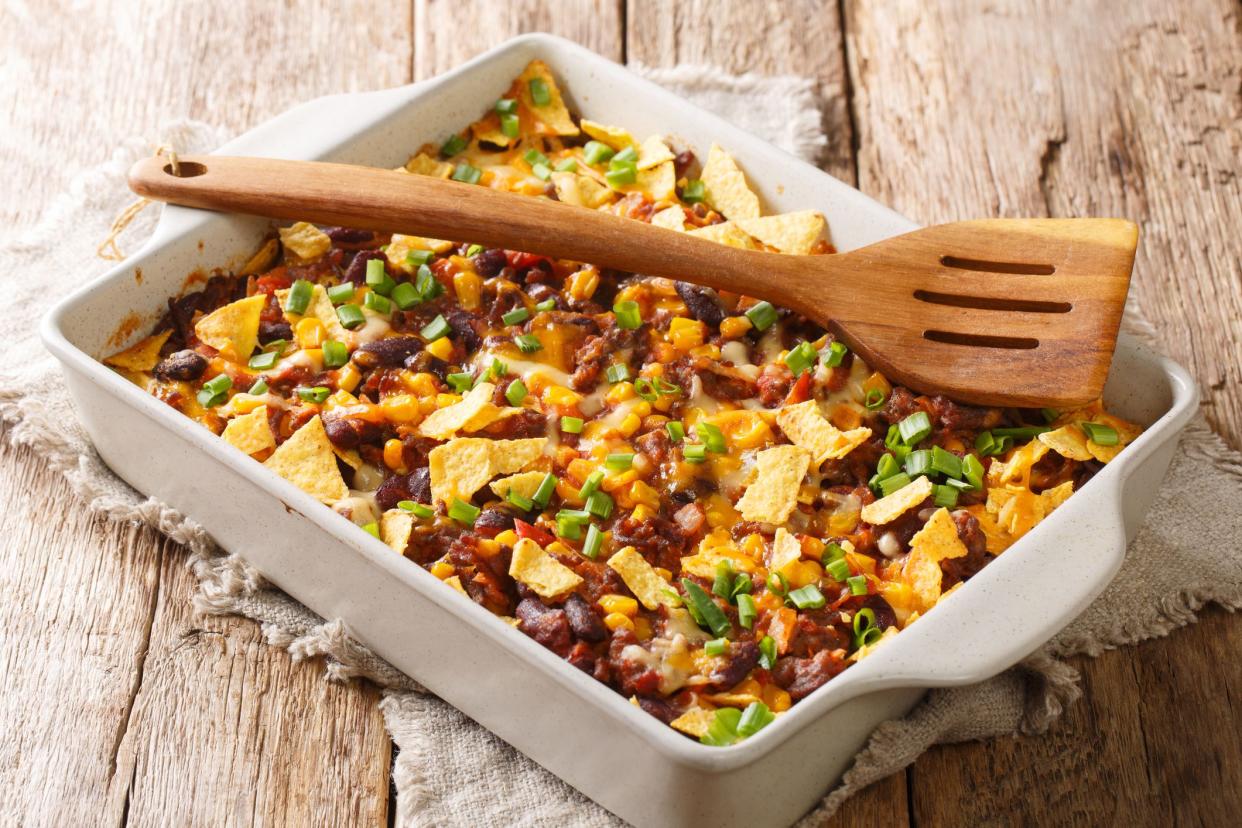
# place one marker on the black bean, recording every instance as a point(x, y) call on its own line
point(393, 350)
point(271, 331)
point(182, 365)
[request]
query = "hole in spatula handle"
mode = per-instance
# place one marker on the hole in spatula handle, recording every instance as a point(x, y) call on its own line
point(186, 169)
point(1011, 343)
point(984, 266)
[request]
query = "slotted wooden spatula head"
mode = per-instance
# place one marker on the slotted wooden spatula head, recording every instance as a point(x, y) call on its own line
point(1018, 312)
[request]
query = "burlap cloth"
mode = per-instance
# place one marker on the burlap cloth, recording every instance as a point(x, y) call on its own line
point(450, 771)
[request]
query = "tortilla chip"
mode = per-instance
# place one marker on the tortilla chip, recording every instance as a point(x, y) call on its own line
point(657, 182)
point(473, 412)
point(888, 509)
point(459, 468)
point(1017, 509)
point(553, 117)
point(395, 528)
point(233, 330)
point(1057, 495)
point(997, 539)
point(867, 649)
point(653, 152)
point(694, 722)
point(251, 433)
point(786, 550)
point(1018, 468)
point(732, 699)
point(805, 426)
point(547, 576)
point(306, 460)
point(1067, 441)
point(320, 308)
point(400, 247)
point(727, 190)
point(487, 131)
point(262, 261)
point(648, 587)
point(774, 492)
point(935, 542)
point(509, 456)
point(615, 137)
point(524, 484)
point(670, 218)
point(794, 233)
point(304, 241)
point(142, 356)
point(424, 164)
point(349, 457)
point(580, 190)
point(726, 233)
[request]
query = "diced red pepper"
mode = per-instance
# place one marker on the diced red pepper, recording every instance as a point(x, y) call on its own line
point(519, 260)
point(525, 530)
point(801, 391)
point(272, 281)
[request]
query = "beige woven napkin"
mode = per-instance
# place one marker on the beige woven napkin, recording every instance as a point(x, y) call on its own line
point(450, 771)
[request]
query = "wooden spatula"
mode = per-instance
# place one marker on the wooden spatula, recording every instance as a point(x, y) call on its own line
point(1015, 312)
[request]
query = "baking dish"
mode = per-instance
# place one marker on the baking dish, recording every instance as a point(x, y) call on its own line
point(561, 718)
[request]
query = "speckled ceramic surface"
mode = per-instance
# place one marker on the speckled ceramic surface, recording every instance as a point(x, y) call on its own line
point(577, 728)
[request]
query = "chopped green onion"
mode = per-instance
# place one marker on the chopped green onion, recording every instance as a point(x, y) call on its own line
point(516, 392)
point(694, 192)
point(419, 257)
point(519, 500)
point(620, 176)
point(506, 106)
point(676, 431)
point(215, 391)
point(464, 512)
point(619, 461)
point(568, 529)
point(452, 146)
point(542, 171)
point(417, 509)
point(946, 462)
point(527, 343)
point(887, 467)
point(801, 358)
point(378, 279)
point(495, 370)
point(406, 296)
point(918, 462)
point(600, 504)
point(834, 354)
point(866, 632)
point(259, 388)
point(807, 597)
point(761, 315)
point(972, 471)
point(436, 328)
point(723, 729)
point(572, 425)
point(625, 157)
point(945, 496)
point(574, 515)
point(596, 153)
point(594, 540)
point(1049, 414)
point(617, 372)
point(914, 428)
point(833, 552)
point(755, 718)
point(350, 316)
point(335, 354)
point(990, 446)
point(892, 442)
point(371, 528)
point(895, 483)
point(1021, 432)
point(666, 388)
point(566, 165)
point(712, 615)
point(629, 315)
point(474, 250)
point(466, 174)
point(316, 395)
point(263, 361)
point(515, 316)
point(378, 303)
point(722, 585)
point(540, 95)
point(645, 388)
point(461, 383)
point(717, 646)
point(543, 494)
point(1100, 434)
point(694, 452)
point(874, 400)
point(767, 652)
point(742, 585)
point(857, 584)
point(591, 486)
point(342, 293)
point(838, 569)
point(299, 297)
point(428, 285)
point(777, 584)
point(534, 156)
point(746, 611)
point(546, 305)
point(711, 436)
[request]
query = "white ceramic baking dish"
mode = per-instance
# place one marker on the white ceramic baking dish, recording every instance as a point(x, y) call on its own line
point(579, 729)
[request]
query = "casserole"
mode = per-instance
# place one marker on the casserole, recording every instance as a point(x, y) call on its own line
point(473, 659)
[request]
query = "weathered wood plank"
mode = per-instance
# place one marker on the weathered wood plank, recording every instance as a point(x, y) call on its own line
point(449, 32)
point(980, 108)
point(799, 38)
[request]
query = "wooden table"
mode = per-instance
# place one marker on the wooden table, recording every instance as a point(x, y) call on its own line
point(120, 706)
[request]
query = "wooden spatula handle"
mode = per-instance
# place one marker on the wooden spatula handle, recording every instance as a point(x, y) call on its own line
point(389, 201)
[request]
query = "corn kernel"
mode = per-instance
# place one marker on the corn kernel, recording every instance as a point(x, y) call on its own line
point(642, 408)
point(734, 327)
point(801, 573)
point(445, 400)
point(488, 547)
point(402, 408)
point(421, 384)
point(560, 395)
point(244, 403)
point(620, 392)
point(686, 333)
point(743, 429)
point(769, 601)
point(469, 288)
point(348, 377)
point(615, 620)
point(753, 546)
point(642, 513)
point(709, 351)
point(441, 349)
point(619, 481)
point(640, 492)
point(619, 603)
point(597, 430)
point(876, 382)
point(777, 700)
point(427, 404)
point(845, 417)
point(663, 573)
point(507, 538)
point(394, 456)
point(720, 512)
point(309, 332)
point(642, 629)
point(315, 357)
point(442, 569)
point(630, 424)
point(582, 284)
point(664, 352)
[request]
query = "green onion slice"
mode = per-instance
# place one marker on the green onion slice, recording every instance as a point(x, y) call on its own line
point(467, 174)
point(767, 652)
point(712, 437)
point(619, 461)
point(807, 597)
point(436, 328)
point(717, 646)
point(597, 153)
point(350, 316)
point(461, 382)
point(519, 500)
point(342, 293)
point(694, 452)
point(857, 584)
point(600, 504)
point(417, 509)
point(540, 95)
point(833, 355)
point(543, 494)
point(874, 400)
point(722, 585)
point(895, 483)
point(378, 303)
point(746, 611)
point(594, 541)
point(801, 358)
point(464, 512)
point(516, 392)
point(316, 395)
point(527, 343)
point(915, 428)
point(712, 615)
point(838, 569)
point(617, 372)
point(452, 146)
point(515, 316)
point(629, 315)
point(335, 354)
point(572, 425)
point(406, 296)
point(259, 388)
point(299, 297)
point(761, 315)
point(676, 431)
point(694, 191)
point(1100, 434)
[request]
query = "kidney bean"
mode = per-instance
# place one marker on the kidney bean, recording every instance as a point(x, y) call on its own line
point(490, 262)
point(392, 350)
point(583, 620)
point(702, 302)
point(357, 270)
point(414, 486)
point(348, 235)
point(182, 365)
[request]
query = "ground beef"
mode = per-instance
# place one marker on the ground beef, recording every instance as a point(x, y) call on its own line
point(726, 384)
point(660, 541)
point(634, 678)
point(960, 569)
point(659, 708)
point(816, 631)
point(589, 360)
point(803, 676)
point(465, 328)
point(529, 423)
point(741, 658)
point(550, 627)
point(582, 657)
point(492, 521)
point(773, 385)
